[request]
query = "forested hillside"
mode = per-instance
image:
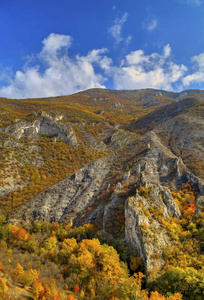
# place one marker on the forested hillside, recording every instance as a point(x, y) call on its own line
point(102, 196)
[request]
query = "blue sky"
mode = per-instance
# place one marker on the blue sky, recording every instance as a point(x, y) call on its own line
point(50, 48)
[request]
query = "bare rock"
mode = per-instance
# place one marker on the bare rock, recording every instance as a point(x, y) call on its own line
point(117, 105)
point(121, 138)
point(146, 235)
point(98, 99)
point(200, 205)
point(92, 142)
point(64, 200)
point(42, 125)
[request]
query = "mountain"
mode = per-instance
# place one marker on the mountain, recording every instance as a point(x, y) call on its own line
point(128, 162)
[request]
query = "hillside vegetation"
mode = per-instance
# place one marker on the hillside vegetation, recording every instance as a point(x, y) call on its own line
point(102, 196)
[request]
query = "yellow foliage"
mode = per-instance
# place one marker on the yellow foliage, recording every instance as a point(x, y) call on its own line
point(37, 288)
point(68, 246)
point(19, 273)
point(111, 266)
point(3, 287)
point(51, 244)
point(157, 296)
point(30, 277)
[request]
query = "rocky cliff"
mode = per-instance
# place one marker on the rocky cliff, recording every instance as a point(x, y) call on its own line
point(43, 124)
point(143, 193)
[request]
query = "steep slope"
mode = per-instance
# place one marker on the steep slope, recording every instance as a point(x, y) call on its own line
point(66, 199)
point(139, 198)
point(39, 150)
point(184, 135)
point(161, 115)
point(71, 163)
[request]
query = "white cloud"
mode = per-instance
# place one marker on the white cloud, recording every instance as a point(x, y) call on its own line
point(116, 30)
point(198, 76)
point(167, 50)
point(151, 25)
point(136, 58)
point(148, 71)
point(54, 43)
point(63, 75)
point(199, 59)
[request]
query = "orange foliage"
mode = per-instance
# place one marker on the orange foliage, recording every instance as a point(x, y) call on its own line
point(70, 297)
point(75, 288)
point(18, 233)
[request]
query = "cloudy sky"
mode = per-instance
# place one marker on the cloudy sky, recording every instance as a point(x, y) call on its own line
point(59, 47)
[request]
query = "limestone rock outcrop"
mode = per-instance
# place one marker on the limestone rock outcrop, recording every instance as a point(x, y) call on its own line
point(43, 124)
point(200, 205)
point(66, 199)
point(145, 233)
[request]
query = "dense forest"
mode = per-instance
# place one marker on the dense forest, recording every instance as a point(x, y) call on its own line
point(60, 262)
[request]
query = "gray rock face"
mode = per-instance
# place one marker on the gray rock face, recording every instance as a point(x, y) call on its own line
point(109, 210)
point(93, 143)
point(153, 198)
point(147, 236)
point(142, 228)
point(121, 138)
point(200, 205)
point(66, 199)
point(184, 132)
point(184, 94)
point(149, 103)
point(10, 175)
point(101, 112)
point(117, 105)
point(98, 99)
point(151, 96)
point(42, 125)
